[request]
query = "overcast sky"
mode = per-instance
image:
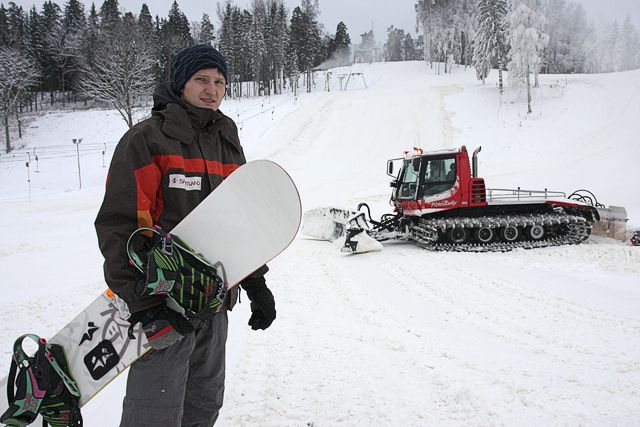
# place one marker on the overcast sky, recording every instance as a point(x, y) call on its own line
point(358, 15)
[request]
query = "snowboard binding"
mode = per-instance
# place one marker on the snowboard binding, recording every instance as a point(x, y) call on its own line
point(41, 385)
point(190, 284)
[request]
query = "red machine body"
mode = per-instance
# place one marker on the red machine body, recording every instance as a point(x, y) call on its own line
point(445, 183)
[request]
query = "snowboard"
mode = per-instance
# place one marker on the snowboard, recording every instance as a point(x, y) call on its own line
point(250, 218)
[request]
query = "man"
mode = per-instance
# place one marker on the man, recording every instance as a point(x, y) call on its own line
point(180, 382)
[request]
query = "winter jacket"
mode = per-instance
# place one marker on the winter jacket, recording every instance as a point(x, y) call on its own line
point(162, 168)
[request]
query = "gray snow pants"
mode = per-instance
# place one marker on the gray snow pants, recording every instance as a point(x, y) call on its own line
point(181, 385)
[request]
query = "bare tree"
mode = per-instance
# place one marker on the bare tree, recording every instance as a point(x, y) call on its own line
point(17, 74)
point(121, 73)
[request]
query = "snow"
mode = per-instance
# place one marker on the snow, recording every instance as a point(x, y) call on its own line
point(399, 337)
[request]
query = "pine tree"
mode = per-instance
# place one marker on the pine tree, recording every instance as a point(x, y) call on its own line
point(73, 27)
point(393, 47)
point(298, 35)
point(74, 18)
point(342, 39)
point(50, 22)
point(283, 36)
point(229, 43)
point(490, 42)
point(276, 39)
point(226, 39)
point(174, 35)
point(242, 26)
point(409, 48)
point(340, 46)
point(34, 40)
point(207, 33)
point(4, 27)
point(305, 40)
point(16, 23)
point(178, 26)
point(145, 21)
point(90, 38)
point(64, 48)
point(110, 17)
point(259, 44)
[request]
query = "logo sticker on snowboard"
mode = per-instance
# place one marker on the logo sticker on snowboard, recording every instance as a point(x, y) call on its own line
point(88, 336)
point(101, 359)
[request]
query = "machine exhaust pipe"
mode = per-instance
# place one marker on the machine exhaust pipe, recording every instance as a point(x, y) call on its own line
point(474, 162)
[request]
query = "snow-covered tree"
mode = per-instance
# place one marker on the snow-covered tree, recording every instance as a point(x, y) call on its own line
point(305, 41)
point(16, 26)
point(121, 73)
point(393, 49)
point(448, 29)
point(629, 45)
point(276, 39)
point(110, 17)
point(50, 20)
point(568, 29)
point(615, 54)
point(205, 33)
point(409, 48)
point(527, 42)
point(17, 74)
point(4, 26)
point(339, 46)
point(259, 42)
point(490, 44)
point(174, 35)
point(64, 49)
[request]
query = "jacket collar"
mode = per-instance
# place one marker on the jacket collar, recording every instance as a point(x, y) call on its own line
point(181, 120)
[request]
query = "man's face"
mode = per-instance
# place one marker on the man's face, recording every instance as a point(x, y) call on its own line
point(205, 89)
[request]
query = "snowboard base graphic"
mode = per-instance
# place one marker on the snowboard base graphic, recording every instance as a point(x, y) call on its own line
point(248, 220)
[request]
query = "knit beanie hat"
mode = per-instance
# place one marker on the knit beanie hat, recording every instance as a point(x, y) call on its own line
point(192, 59)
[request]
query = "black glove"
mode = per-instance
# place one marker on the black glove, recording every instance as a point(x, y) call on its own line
point(263, 306)
point(162, 326)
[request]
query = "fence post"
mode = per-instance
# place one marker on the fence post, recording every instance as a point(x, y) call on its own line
point(29, 174)
point(77, 143)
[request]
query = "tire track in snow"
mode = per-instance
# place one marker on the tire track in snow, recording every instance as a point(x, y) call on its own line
point(533, 324)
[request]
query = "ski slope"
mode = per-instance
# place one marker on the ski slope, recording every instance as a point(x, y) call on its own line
point(401, 337)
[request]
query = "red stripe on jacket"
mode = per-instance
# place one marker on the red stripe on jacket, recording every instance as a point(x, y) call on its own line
point(149, 179)
point(167, 162)
point(149, 199)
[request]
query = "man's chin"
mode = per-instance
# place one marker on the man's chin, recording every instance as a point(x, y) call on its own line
point(209, 106)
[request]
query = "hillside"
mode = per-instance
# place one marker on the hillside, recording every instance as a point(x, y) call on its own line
point(400, 337)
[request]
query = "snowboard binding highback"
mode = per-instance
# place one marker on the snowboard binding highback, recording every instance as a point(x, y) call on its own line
point(41, 385)
point(190, 284)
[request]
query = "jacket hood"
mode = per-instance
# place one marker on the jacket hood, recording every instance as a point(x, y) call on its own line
point(163, 95)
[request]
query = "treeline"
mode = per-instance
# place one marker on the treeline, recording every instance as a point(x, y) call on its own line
point(572, 43)
point(61, 54)
point(58, 55)
point(525, 37)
